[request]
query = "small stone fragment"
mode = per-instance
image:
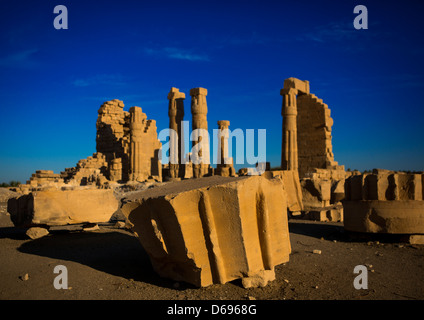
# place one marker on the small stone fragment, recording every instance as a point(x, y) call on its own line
point(120, 224)
point(36, 232)
point(91, 227)
point(25, 277)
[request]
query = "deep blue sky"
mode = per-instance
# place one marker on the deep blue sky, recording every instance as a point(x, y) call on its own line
point(52, 82)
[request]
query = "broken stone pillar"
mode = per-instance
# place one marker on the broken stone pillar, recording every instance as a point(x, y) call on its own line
point(213, 230)
point(224, 166)
point(200, 147)
point(176, 116)
point(136, 132)
point(289, 146)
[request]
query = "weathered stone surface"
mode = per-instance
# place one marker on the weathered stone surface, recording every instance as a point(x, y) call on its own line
point(376, 216)
point(314, 125)
point(44, 177)
point(224, 166)
point(176, 116)
point(332, 213)
point(200, 148)
point(37, 232)
point(289, 154)
point(384, 202)
point(61, 207)
point(113, 133)
point(416, 239)
point(384, 185)
point(144, 147)
point(214, 229)
point(307, 126)
point(300, 85)
point(291, 185)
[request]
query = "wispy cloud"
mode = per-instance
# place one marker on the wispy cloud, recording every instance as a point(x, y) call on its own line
point(333, 31)
point(337, 31)
point(100, 79)
point(176, 53)
point(22, 59)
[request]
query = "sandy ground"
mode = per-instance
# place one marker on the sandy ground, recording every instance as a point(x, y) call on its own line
point(110, 263)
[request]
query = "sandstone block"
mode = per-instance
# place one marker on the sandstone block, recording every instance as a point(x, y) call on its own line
point(301, 85)
point(61, 207)
point(291, 184)
point(213, 229)
point(396, 216)
point(416, 239)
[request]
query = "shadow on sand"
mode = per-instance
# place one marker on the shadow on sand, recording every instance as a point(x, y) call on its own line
point(335, 231)
point(117, 253)
point(328, 231)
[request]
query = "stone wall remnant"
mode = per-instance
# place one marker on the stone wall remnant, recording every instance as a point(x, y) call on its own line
point(307, 126)
point(307, 148)
point(314, 135)
point(44, 177)
point(113, 137)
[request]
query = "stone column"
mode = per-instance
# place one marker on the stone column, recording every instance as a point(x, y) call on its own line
point(199, 111)
point(176, 115)
point(222, 168)
point(289, 157)
point(136, 132)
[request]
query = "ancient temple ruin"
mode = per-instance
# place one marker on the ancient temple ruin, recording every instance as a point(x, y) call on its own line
point(129, 141)
point(307, 148)
point(208, 225)
point(306, 130)
point(385, 201)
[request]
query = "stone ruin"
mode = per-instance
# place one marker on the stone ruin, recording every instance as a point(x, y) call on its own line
point(210, 225)
point(386, 202)
point(307, 149)
point(242, 224)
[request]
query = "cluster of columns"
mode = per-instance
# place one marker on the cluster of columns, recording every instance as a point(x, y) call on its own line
point(200, 146)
